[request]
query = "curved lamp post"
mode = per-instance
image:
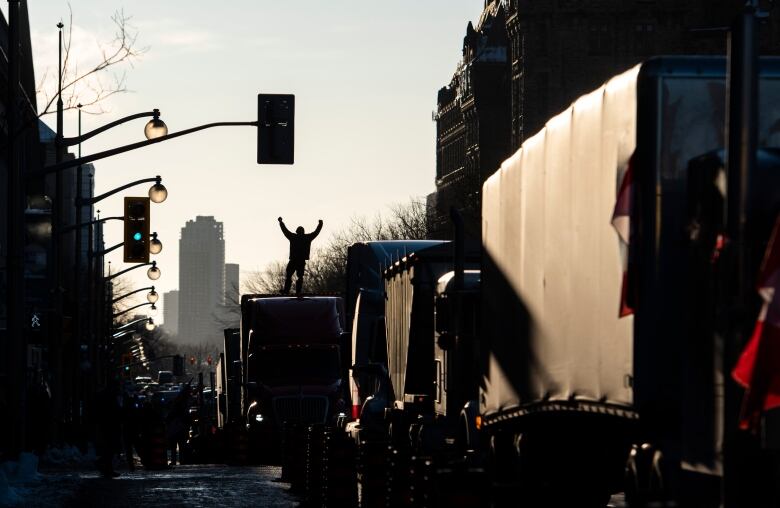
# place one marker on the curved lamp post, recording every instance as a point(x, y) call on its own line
point(117, 314)
point(153, 272)
point(151, 297)
point(131, 323)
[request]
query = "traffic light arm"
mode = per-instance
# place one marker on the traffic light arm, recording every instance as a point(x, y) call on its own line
point(92, 201)
point(122, 272)
point(80, 139)
point(126, 148)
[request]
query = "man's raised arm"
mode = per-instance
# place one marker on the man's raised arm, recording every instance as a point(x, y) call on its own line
point(286, 231)
point(316, 232)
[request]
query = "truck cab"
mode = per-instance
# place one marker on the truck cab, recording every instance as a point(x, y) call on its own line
point(292, 365)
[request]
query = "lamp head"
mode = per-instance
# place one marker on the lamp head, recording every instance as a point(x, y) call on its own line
point(157, 192)
point(153, 272)
point(150, 325)
point(152, 296)
point(155, 128)
point(155, 245)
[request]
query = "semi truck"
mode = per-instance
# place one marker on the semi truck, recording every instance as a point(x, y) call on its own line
point(603, 257)
point(365, 301)
point(291, 356)
point(400, 419)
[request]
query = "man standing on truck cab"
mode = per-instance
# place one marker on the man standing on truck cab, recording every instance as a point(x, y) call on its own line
point(300, 248)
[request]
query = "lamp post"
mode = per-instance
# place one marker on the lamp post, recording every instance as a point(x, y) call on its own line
point(15, 243)
point(117, 314)
point(151, 297)
point(149, 322)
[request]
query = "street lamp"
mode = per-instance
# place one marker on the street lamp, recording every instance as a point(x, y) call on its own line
point(150, 326)
point(152, 296)
point(130, 324)
point(117, 314)
point(155, 128)
point(155, 246)
point(158, 193)
point(153, 272)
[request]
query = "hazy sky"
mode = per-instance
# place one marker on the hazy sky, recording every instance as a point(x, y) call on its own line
point(365, 75)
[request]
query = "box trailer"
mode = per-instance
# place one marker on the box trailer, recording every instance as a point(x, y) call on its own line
point(590, 342)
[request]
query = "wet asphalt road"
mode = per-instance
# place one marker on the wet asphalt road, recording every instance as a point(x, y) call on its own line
point(182, 486)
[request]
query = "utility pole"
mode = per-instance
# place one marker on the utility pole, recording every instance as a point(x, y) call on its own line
point(741, 145)
point(15, 295)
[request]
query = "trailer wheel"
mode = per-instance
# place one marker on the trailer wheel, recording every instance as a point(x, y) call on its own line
point(644, 483)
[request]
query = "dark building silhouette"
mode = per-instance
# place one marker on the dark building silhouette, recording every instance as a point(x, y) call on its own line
point(472, 121)
point(555, 51)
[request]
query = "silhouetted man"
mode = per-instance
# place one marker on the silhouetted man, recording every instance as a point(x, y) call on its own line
point(300, 248)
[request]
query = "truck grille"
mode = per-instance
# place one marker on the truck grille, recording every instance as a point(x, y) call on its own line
point(310, 409)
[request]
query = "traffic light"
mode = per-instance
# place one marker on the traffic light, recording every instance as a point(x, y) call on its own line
point(192, 360)
point(136, 248)
point(275, 128)
point(178, 365)
point(209, 360)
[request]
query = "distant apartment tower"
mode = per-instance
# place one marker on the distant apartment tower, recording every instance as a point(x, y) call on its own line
point(171, 312)
point(232, 291)
point(201, 280)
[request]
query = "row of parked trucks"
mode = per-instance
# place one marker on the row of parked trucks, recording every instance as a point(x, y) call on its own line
point(574, 353)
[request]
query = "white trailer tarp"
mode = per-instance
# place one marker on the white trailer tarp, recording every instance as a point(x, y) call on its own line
point(547, 230)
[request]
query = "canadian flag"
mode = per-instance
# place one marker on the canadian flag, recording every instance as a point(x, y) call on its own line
point(621, 221)
point(758, 368)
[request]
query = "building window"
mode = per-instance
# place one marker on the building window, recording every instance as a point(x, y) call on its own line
point(644, 39)
point(599, 38)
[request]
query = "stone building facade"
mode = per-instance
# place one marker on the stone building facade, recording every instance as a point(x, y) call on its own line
point(555, 50)
point(472, 122)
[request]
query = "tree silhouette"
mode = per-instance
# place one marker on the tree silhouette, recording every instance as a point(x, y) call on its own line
point(89, 87)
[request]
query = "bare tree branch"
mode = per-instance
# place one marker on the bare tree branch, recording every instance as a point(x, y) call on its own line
point(89, 88)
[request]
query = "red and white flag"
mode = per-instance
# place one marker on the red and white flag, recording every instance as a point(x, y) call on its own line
point(758, 368)
point(621, 221)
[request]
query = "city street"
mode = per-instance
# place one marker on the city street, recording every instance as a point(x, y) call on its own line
point(199, 485)
point(194, 485)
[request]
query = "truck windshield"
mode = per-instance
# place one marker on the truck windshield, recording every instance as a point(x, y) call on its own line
point(296, 365)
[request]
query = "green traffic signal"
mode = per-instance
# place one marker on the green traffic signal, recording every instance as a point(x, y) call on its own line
point(137, 236)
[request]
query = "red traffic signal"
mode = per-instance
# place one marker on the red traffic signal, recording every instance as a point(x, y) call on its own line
point(209, 360)
point(192, 360)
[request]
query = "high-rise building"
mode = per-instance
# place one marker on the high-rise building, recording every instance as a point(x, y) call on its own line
point(232, 290)
point(201, 280)
point(171, 312)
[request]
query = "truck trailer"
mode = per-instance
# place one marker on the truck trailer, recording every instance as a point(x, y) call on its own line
point(599, 342)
